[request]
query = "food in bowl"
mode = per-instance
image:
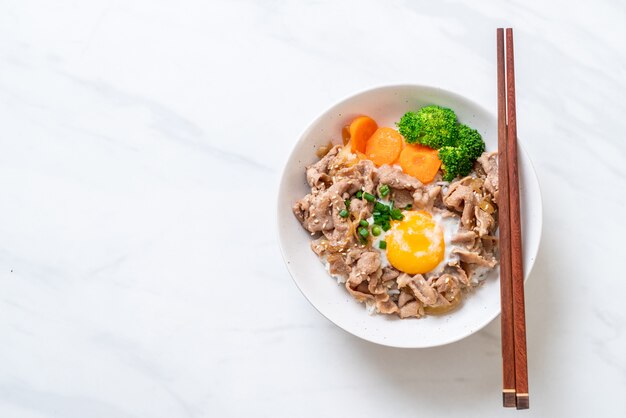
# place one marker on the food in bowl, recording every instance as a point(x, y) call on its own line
point(405, 219)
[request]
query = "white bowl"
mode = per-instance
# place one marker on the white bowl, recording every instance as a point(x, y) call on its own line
point(386, 105)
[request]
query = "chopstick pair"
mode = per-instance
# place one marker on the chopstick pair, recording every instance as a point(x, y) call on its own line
point(513, 321)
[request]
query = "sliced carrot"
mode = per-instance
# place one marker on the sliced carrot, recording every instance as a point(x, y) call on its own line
point(420, 162)
point(384, 146)
point(361, 129)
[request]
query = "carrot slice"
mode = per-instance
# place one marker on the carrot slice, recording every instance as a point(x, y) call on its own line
point(361, 129)
point(420, 162)
point(384, 146)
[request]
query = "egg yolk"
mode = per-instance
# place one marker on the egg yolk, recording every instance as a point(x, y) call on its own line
point(415, 245)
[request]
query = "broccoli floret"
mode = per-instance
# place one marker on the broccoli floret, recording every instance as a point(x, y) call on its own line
point(456, 162)
point(471, 140)
point(433, 126)
point(436, 127)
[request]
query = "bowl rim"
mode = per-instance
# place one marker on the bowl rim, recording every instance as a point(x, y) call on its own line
point(527, 271)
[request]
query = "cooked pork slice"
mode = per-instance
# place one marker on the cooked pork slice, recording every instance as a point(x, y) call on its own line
point(425, 197)
point(368, 263)
point(355, 279)
point(401, 197)
point(354, 252)
point(342, 225)
point(319, 246)
point(404, 298)
point(466, 238)
point(317, 174)
point(461, 275)
point(396, 179)
point(484, 222)
point(420, 288)
point(337, 266)
point(389, 273)
point(302, 207)
point(345, 186)
point(319, 211)
point(361, 209)
point(441, 302)
point(474, 258)
point(403, 280)
point(412, 309)
point(375, 286)
point(361, 175)
point(359, 292)
point(448, 286)
point(385, 305)
point(490, 245)
point(462, 199)
point(487, 166)
point(362, 287)
point(313, 211)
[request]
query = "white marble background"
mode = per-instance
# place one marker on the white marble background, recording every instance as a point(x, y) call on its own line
point(136, 136)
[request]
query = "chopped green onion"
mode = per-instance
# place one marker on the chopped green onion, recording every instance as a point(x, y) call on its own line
point(369, 197)
point(347, 203)
point(383, 190)
point(381, 207)
point(364, 223)
point(396, 214)
point(363, 232)
point(386, 226)
point(382, 245)
point(376, 230)
point(359, 194)
point(344, 213)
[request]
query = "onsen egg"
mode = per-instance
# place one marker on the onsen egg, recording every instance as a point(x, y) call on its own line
point(416, 244)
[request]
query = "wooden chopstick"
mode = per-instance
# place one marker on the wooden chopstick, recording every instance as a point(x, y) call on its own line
point(506, 295)
point(517, 268)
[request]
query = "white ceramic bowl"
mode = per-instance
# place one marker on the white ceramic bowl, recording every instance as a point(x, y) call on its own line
point(386, 105)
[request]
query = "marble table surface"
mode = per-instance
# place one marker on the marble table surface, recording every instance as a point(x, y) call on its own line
point(141, 143)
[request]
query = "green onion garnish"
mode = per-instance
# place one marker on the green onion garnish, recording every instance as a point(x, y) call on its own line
point(363, 232)
point(344, 213)
point(381, 207)
point(347, 203)
point(383, 190)
point(382, 245)
point(396, 214)
point(369, 197)
point(364, 223)
point(359, 194)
